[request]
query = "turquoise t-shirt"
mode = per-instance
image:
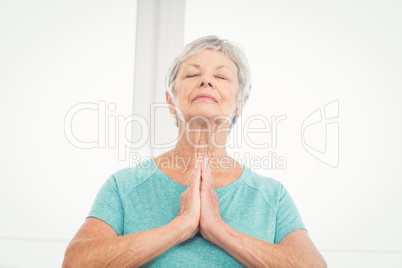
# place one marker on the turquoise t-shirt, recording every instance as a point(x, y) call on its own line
point(142, 198)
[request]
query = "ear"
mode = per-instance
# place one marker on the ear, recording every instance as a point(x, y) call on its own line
point(239, 110)
point(169, 101)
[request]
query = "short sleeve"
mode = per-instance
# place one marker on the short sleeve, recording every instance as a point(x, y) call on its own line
point(288, 218)
point(108, 206)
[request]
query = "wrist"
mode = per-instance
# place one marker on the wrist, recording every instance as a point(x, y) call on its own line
point(218, 234)
point(184, 228)
point(213, 232)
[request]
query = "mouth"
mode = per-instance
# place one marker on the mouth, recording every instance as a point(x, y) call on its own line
point(205, 97)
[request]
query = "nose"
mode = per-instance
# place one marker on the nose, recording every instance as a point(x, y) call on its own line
point(206, 82)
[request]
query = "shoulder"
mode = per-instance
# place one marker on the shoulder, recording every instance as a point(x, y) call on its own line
point(127, 179)
point(270, 189)
point(267, 184)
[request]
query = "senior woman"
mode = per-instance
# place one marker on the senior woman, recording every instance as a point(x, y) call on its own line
point(195, 205)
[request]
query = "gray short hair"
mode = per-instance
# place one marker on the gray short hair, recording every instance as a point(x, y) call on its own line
point(232, 50)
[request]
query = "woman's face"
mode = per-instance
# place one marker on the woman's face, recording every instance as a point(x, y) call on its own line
point(212, 74)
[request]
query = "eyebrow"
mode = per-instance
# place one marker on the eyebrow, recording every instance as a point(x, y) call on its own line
point(199, 66)
point(194, 65)
point(221, 66)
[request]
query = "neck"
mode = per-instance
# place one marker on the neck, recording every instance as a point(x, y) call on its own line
point(200, 138)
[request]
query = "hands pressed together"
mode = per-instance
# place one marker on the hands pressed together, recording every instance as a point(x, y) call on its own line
point(199, 204)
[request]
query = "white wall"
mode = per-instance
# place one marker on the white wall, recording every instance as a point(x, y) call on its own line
point(55, 55)
point(305, 55)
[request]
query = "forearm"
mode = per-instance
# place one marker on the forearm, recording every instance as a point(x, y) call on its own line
point(254, 252)
point(125, 251)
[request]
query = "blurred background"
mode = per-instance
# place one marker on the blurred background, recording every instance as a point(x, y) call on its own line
point(82, 96)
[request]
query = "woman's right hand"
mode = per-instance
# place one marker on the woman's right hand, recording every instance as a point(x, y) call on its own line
point(190, 204)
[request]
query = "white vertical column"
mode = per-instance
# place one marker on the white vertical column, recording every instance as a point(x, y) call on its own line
point(160, 31)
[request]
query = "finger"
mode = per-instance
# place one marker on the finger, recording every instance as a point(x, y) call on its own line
point(211, 179)
point(194, 179)
point(209, 170)
point(207, 180)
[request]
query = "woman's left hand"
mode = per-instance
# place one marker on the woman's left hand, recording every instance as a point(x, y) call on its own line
point(210, 218)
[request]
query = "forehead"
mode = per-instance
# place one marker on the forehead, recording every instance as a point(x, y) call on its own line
point(209, 58)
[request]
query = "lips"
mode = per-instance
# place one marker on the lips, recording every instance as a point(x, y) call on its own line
point(205, 96)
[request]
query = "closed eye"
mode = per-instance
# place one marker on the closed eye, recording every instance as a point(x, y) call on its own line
point(220, 77)
point(192, 75)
